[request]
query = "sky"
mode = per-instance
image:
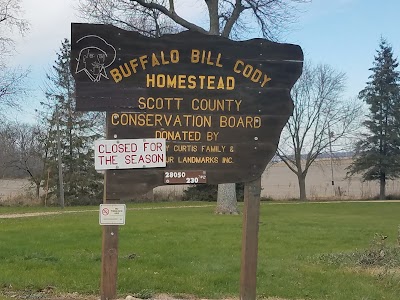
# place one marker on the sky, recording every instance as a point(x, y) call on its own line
point(341, 33)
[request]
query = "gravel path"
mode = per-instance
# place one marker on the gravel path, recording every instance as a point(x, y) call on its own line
point(37, 214)
point(49, 213)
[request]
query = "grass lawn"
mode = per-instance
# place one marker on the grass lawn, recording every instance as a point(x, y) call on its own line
point(190, 250)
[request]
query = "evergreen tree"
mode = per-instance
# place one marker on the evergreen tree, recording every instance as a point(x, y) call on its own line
point(77, 131)
point(378, 152)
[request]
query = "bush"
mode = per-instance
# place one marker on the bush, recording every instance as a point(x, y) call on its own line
point(378, 254)
point(209, 192)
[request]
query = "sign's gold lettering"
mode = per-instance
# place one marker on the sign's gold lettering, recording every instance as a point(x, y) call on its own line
point(133, 64)
point(191, 136)
point(126, 72)
point(205, 57)
point(167, 103)
point(156, 59)
point(213, 148)
point(162, 120)
point(185, 148)
point(116, 75)
point(198, 160)
point(239, 122)
point(227, 160)
point(165, 124)
point(250, 72)
point(143, 61)
point(182, 81)
point(216, 104)
point(212, 136)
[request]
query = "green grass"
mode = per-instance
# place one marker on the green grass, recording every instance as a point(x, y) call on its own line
point(192, 251)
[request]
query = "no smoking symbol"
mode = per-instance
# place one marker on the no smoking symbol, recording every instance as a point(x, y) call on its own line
point(105, 211)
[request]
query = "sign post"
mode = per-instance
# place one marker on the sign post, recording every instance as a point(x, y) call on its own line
point(251, 213)
point(109, 261)
point(219, 104)
point(109, 252)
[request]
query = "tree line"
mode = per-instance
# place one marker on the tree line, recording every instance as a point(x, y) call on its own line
point(322, 116)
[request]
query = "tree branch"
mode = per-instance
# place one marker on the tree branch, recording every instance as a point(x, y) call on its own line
point(172, 15)
point(238, 9)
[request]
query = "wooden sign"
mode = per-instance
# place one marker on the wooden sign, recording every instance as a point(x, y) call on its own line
point(220, 104)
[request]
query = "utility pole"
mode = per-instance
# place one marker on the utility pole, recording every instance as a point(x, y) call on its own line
point(59, 159)
point(330, 134)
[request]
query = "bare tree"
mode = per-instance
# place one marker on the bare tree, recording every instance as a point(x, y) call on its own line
point(12, 86)
point(320, 117)
point(229, 18)
point(233, 19)
point(11, 80)
point(128, 15)
point(23, 151)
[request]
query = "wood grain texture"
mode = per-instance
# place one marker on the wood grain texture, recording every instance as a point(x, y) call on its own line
point(251, 213)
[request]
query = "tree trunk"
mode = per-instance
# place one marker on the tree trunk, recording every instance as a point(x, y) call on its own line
point(38, 190)
point(227, 202)
point(382, 187)
point(302, 187)
point(226, 199)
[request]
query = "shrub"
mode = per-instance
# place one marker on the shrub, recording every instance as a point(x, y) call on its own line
point(209, 192)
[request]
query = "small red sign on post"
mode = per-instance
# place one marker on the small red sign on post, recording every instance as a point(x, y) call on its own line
point(112, 214)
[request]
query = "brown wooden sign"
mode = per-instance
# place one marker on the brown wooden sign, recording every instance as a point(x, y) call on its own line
point(220, 104)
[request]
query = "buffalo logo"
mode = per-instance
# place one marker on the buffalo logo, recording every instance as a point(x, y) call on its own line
point(94, 57)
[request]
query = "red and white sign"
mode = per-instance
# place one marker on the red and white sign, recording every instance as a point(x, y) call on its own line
point(129, 154)
point(112, 214)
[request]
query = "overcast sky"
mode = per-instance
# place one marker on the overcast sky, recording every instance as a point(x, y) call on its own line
point(342, 33)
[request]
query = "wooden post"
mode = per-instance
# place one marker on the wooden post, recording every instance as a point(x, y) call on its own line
point(109, 256)
point(251, 212)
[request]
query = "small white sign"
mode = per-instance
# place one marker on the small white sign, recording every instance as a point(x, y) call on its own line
point(129, 154)
point(112, 214)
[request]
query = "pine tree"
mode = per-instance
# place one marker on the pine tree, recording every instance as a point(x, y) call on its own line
point(78, 130)
point(378, 152)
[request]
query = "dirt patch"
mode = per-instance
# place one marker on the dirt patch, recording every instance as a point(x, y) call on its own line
point(25, 215)
point(38, 214)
